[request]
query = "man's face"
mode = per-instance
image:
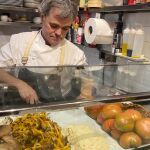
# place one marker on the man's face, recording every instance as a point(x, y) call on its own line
point(55, 28)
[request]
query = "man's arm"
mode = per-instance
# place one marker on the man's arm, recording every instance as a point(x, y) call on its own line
point(25, 91)
point(87, 83)
point(7, 59)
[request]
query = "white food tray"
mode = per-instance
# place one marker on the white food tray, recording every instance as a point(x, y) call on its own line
point(78, 116)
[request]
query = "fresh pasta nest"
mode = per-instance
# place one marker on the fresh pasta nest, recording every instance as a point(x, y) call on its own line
point(37, 132)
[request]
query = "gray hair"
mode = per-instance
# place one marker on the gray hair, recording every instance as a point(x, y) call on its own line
point(69, 7)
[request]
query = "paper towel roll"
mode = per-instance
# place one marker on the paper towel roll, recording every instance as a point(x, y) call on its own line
point(98, 31)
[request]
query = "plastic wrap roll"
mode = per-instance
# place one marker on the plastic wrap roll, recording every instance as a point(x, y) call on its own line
point(98, 31)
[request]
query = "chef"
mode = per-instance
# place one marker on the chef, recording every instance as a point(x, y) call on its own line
point(47, 47)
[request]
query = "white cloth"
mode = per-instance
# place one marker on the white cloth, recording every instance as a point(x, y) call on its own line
point(41, 54)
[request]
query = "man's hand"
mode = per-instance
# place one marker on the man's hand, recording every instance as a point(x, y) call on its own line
point(27, 92)
point(85, 97)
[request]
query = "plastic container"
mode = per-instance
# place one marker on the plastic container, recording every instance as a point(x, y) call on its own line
point(126, 32)
point(138, 43)
point(131, 40)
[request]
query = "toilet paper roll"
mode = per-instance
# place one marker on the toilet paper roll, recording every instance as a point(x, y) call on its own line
point(98, 31)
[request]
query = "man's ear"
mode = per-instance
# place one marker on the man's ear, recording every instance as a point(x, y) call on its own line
point(42, 17)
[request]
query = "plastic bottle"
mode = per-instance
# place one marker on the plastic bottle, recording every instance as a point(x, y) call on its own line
point(117, 39)
point(138, 43)
point(80, 35)
point(131, 2)
point(126, 32)
point(131, 42)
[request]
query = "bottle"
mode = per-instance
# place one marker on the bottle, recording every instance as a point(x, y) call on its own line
point(131, 2)
point(68, 36)
point(131, 42)
point(126, 32)
point(138, 43)
point(125, 2)
point(117, 39)
point(79, 35)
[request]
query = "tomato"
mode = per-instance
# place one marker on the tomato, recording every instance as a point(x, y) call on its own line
point(93, 111)
point(116, 134)
point(135, 115)
point(124, 123)
point(100, 119)
point(130, 140)
point(110, 111)
point(142, 128)
point(107, 125)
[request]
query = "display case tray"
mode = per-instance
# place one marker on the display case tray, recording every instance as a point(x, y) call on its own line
point(78, 116)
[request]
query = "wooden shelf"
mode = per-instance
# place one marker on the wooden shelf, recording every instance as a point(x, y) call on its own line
point(118, 9)
point(32, 25)
point(132, 59)
point(21, 9)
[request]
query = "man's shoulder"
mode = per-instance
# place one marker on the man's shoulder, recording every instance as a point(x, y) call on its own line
point(23, 35)
point(73, 47)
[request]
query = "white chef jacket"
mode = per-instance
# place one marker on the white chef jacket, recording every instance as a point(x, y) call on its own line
point(40, 54)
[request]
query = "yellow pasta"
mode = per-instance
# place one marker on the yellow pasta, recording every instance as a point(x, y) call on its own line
point(37, 132)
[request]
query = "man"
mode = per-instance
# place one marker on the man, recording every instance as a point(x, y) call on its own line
point(48, 47)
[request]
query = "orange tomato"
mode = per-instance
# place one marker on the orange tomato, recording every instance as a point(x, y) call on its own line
point(109, 111)
point(134, 114)
point(130, 140)
point(100, 119)
point(124, 123)
point(107, 125)
point(142, 128)
point(116, 134)
point(93, 111)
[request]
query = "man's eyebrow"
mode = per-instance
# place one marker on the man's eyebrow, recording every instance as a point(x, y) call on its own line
point(66, 26)
point(54, 24)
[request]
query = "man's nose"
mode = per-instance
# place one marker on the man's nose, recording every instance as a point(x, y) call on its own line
point(59, 32)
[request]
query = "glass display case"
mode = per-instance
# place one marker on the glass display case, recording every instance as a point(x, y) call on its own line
point(64, 93)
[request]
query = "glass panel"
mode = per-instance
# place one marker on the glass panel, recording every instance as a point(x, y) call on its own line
point(62, 92)
point(72, 84)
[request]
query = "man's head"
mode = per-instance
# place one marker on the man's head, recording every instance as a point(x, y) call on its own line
point(57, 17)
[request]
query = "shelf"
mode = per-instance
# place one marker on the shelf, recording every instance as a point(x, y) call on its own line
point(20, 24)
point(108, 53)
point(133, 59)
point(21, 9)
point(126, 8)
